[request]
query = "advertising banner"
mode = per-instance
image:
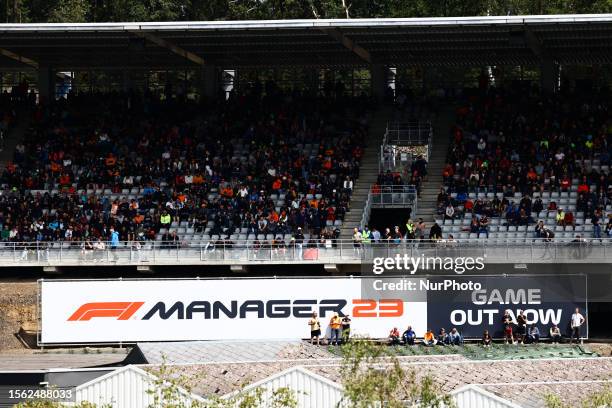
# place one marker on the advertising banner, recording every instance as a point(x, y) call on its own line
point(113, 311)
point(91, 311)
point(545, 300)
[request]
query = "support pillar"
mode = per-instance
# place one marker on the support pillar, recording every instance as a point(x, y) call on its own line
point(549, 76)
point(378, 75)
point(46, 84)
point(209, 86)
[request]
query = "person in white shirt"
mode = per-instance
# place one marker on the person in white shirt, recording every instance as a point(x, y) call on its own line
point(449, 213)
point(576, 322)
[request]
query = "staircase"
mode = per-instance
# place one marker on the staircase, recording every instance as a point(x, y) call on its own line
point(426, 205)
point(368, 171)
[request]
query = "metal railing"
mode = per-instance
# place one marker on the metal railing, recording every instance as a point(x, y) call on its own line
point(197, 252)
point(403, 142)
point(409, 133)
point(394, 196)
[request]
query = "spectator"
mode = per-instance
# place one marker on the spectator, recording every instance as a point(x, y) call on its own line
point(507, 322)
point(555, 334)
point(560, 217)
point(334, 323)
point(409, 336)
point(346, 328)
point(315, 328)
point(394, 336)
point(420, 229)
point(298, 239)
point(454, 337)
point(483, 226)
point(521, 327)
point(486, 339)
point(539, 230)
point(449, 212)
point(596, 221)
point(533, 336)
point(576, 322)
point(357, 237)
point(114, 243)
point(429, 339)
point(435, 233)
point(443, 337)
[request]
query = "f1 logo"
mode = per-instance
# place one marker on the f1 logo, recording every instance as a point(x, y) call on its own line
point(120, 310)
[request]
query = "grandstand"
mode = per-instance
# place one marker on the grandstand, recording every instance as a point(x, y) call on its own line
point(256, 169)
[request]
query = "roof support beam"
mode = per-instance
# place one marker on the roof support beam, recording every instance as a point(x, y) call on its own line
point(170, 46)
point(349, 44)
point(20, 58)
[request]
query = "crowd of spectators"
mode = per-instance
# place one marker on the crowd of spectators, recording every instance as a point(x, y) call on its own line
point(264, 162)
point(520, 156)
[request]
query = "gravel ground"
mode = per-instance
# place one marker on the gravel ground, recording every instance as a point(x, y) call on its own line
point(17, 308)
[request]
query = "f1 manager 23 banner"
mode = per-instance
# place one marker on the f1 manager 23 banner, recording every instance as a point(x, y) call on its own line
point(113, 311)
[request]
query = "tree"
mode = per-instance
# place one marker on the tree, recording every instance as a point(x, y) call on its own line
point(69, 11)
point(372, 376)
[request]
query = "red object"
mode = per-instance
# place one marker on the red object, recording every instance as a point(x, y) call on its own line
point(311, 254)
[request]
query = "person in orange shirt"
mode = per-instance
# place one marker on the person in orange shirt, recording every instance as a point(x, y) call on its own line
point(110, 160)
point(227, 192)
point(429, 339)
point(335, 322)
point(276, 185)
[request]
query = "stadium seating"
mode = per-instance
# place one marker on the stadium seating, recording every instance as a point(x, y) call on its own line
point(256, 167)
point(515, 150)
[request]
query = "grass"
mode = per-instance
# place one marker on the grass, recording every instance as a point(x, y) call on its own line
point(495, 352)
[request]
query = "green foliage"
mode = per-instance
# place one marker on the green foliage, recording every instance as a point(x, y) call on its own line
point(41, 11)
point(372, 376)
point(169, 388)
point(280, 398)
point(598, 399)
point(72, 11)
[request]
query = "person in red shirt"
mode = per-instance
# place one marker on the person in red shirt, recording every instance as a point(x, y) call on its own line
point(583, 187)
point(565, 183)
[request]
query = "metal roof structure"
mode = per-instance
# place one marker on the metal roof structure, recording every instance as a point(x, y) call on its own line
point(507, 40)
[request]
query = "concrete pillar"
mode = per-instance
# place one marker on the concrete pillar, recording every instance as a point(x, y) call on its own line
point(549, 76)
point(46, 84)
point(209, 86)
point(378, 74)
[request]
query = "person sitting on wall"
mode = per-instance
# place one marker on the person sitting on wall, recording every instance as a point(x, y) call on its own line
point(394, 336)
point(487, 340)
point(454, 337)
point(429, 339)
point(533, 336)
point(443, 338)
point(409, 336)
point(555, 334)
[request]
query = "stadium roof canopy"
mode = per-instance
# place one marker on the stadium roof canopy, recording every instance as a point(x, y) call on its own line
point(476, 41)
